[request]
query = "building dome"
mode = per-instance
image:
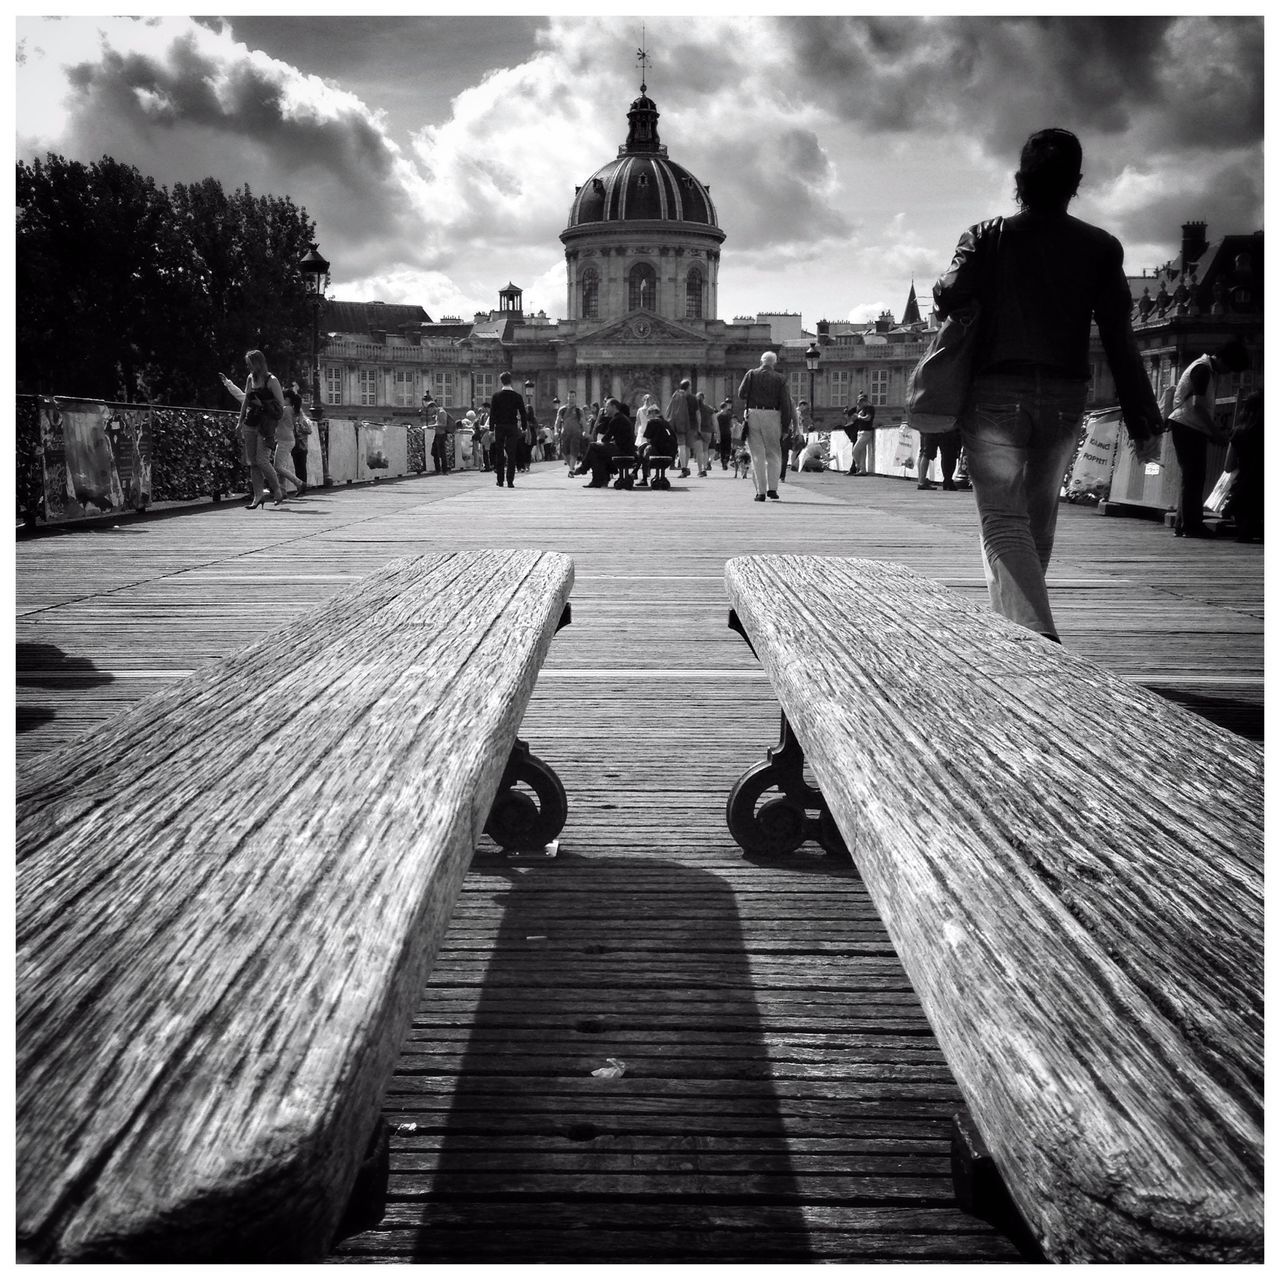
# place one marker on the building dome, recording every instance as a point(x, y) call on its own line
point(642, 184)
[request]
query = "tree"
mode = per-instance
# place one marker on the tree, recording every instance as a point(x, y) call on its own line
point(126, 291)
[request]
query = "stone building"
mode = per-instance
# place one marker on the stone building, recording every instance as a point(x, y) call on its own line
point(642, 253)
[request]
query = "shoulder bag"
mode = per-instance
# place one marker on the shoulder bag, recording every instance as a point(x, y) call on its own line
point(939, 384)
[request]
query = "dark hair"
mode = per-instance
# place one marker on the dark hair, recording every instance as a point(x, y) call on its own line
point(504, 377)
point(1233, 355)
point(1048, 170)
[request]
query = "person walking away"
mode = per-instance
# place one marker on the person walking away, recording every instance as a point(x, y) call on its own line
point(724, 433)
point(682, 413)
point(1038, 277)
point(768, 415)
point(257, 428)
point(948, 444)
point(509, 420)
point(864, 443)
point(569, 426)
point(1192, 426)
point(706, 435)
point(1244, 457)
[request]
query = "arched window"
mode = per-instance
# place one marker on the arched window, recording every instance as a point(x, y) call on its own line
point(590, 294)
point(642, 287)
point(693, 294)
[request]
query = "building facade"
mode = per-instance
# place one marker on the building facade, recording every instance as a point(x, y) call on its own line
point(642, 260)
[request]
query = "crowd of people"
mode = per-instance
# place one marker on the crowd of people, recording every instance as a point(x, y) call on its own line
point(1035, 282)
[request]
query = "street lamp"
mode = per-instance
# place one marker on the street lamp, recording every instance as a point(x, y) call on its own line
point(314, 271)
point(812, 358)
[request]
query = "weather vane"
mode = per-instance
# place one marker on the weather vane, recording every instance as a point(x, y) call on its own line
point(643, 59)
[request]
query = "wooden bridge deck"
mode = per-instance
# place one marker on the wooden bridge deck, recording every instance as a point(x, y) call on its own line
point(783, 1100)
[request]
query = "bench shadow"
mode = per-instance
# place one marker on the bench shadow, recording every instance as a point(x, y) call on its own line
point(45, 666)
point(586, 964)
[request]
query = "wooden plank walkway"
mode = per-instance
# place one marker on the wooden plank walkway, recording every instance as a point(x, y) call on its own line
point(784, 1099)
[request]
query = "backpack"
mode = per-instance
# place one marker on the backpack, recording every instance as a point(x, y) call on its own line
point(262, 410)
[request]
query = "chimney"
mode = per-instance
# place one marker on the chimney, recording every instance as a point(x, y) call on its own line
point(1195, 241)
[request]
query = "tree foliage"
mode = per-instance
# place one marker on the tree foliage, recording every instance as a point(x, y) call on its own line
point(128, 291)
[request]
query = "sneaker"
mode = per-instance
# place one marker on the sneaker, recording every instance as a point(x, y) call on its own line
point(684, 473)
point(926, 484)
point(773, 493)
point(949, 485)
point(759, 497)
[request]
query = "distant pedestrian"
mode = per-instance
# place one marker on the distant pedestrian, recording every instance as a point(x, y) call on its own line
point(946, 443)
point(509, 419)
point(258, 417)
point(1244, 457)
point(768, 415)
point(1192, 425)
point(440, 438)
point(706, 435)
point(569, 429)
point(285, 439)
point(682, 414)
point(724, 433)
point(864, 443)
point(1039, 278)
point(302, 431)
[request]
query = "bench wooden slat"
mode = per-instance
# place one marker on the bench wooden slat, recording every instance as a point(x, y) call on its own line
point(1070, 868)
point(262, 895)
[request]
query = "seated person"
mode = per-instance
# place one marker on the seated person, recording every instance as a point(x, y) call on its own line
point(616, 437)
point(659, 442)
point(810, 458)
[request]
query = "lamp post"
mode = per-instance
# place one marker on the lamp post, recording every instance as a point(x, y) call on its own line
point(812, 358)
point(314, 270)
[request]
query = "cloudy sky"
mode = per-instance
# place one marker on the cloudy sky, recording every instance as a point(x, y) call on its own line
point(439, 155)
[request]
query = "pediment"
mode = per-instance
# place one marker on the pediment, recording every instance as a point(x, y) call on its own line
point(641, 328)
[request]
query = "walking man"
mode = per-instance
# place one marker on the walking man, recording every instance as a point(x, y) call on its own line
point(768, 416)
point(685, 421)
point(569, 430)
point(509, 421)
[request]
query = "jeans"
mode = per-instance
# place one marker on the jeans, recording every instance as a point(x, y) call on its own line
point(864, 450)
point(1020, 431)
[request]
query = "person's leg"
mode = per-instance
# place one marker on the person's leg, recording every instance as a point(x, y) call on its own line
point(927, 450)
point(1019, 445)
point(949, 447)
point(859, 463)
point(514, 442)
point(1191, 448)
point(262, 457)
point(498, 453)
point(282, 460)
point(771, 438)
point(300, 461)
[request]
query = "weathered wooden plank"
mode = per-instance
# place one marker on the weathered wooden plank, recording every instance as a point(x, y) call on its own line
point(1077, 901)
point(227, 902)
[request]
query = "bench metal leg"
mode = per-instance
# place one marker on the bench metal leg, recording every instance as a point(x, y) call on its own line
point(516, 821)
point(981, 1191)
point(368, 1204)
point(783, 824)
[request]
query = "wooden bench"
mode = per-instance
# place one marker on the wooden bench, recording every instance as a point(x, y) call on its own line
point(1070, 869)
point(228, 900)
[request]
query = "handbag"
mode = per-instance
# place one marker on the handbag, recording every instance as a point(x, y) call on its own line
point(939, 384)
point(1216, 502)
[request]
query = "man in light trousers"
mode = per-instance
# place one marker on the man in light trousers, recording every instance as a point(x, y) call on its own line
point(768, 416)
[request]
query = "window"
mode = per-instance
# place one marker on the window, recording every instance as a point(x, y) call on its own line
point(406, 388)
point(590, 294)
point(482, 385)
point(443, 384)
point(333, 384)
point(798, 385)
point(879, 389)
point(693, 295)
point(642, 287)
point(839, 395)
point(368, 386)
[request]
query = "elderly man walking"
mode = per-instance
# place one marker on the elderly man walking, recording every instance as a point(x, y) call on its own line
point(768, 417)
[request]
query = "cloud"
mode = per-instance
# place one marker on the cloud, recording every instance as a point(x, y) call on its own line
point(844, 154)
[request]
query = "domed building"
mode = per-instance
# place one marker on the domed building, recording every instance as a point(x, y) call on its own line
point(643, 234)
